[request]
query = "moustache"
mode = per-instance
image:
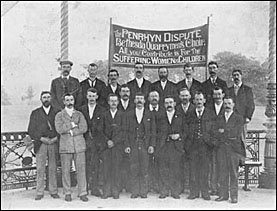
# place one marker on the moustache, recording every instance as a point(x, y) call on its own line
point(138, 71)
point(65, 71)
point(46, 103)
point(125, 95)
point(168, 107)
point(70, 104)
point(154, 100)
point(139, 102)
point(227, 107)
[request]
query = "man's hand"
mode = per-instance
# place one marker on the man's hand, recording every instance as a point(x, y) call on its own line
point(247, 120)
point(74, 125)
point(175, 136)
point(110, 143)
point(53, 140)
point(151, 150)
point(127, 150)
point(221, 130)
point(45, 140)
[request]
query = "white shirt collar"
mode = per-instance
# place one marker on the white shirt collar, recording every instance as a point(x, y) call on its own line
point(47, 110)
point(218, 107)
point(113, 88)
point(201, 111)
point(113, 113)
point(213, 79)
point(163, 84)
point(151, 107)
point(185, 108)
point(227, 115)
point(139, 114)
point(140, 82)
point(67, 77)
point(91, 109)
point(69, 111)
point(239, 85)
point(170, 115)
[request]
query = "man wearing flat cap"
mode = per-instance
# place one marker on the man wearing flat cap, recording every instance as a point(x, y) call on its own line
point(65, 84)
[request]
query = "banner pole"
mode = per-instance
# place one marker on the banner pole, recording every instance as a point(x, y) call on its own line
point(208, 23)
point(110, 46)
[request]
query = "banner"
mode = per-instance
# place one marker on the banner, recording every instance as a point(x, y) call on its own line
point(158, 48)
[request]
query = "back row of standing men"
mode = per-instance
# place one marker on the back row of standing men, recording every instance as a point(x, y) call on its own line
point(162, 131)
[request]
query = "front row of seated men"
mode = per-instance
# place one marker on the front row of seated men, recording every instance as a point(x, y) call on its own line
point(130, 141)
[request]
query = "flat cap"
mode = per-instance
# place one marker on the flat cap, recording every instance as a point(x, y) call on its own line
point(66, 62)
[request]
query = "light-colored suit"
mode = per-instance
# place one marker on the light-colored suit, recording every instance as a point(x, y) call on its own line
point(72, 147)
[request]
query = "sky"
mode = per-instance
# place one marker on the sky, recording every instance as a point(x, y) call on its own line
point(30, 34)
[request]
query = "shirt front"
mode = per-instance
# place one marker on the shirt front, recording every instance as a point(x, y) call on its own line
point(91, 83)
point(151, 108)
point(227, 115)
point(163, 84)
point(218, 108)
point(113, 113)
point(170, 115)
point(189, 82)
point(199, 112)
point(65, 77)
point(91, 109)
point(113, 88)
point(125, 103)
point(140, 82)
point(46, 109)
point(69, 111)
point(185, 107)
point(139, 114)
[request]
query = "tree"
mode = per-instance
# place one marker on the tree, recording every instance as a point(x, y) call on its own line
point(5, 100)
point(254, 73)
point(29, 94)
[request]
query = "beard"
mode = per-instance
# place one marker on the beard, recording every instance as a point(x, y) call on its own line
point(46, 104)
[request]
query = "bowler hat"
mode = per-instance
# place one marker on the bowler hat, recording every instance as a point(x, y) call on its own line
point(66, 62)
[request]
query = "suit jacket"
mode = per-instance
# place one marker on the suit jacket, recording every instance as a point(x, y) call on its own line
point(100, 86)
point(112, 129)
point(195, 87)
point(134, 88)
point(208, 119)
point(130, 106)
point(232, 132)
point(42, 125)
point(149, 129)
point(180, 109)
point(207, 88)
point(59, 88)
point(212, 108)
point(93, 134)
point(244, 101)
point(63, 123)
point(170, 89)
point(165, 129)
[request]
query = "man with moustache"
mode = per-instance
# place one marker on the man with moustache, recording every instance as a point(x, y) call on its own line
point(200, 124)
point(163, 86)
point(42, 130)
point(139, 84)
point(213, 81)
point(244, 103)
point(93, 114)
point(112, 146)
point(170, 149)
point(93, 82)
point(140, 141)
point(218, 109)
point(228, 130)
point(189, 82)
point(65, 84)
point(71, 125)
point(124, 103)
point(113, 86)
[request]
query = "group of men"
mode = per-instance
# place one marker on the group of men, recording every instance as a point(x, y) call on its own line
point(137, 136)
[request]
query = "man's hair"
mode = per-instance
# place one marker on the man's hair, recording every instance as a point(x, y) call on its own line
point(93, 90)
point(138, 63)
point(213, 62)
point(229, 97)
point(111, 95)
point(169, 96)
point(199, 93)
point(123, 86)
point(237, 71)
point(162, 67)
point(183, 89)
point(188, 65)
point(93, 65)
point(139, 94)
point(45, 92)
point(216, 88)
point(67, 94)
point(113, 70)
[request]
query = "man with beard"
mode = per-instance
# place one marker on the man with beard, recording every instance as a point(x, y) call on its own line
point(244, 103)
point(42, 130)
point(139, 84)
point(71, 125)
point(112, 146)
point(65, 84)
point(163, 86)
point(200, 123)
point(228, 131)
point(170, 149)
point(140, 141)
point(189, 82)
point(213, 81)
point(185, 107)
point(93, 82)
point(113, 86)
point(218, 109)
point(93, 114)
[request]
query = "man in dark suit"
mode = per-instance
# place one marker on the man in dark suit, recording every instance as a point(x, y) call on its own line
point(139, 84)
point(65, 84)
point(170, 149)
point(244, 102)
point(113, 86)
point(185, 107)
point(213, 81)
point(93, 82)
point(228, 129)
point(218, 109)
point(112, 147)
point(140, 140)
point(93, 114)
point(200, 124)
point(124, 103)
point(189, 82)
point(42, 130)
point(163, 86)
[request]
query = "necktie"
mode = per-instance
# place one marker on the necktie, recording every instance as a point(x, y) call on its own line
point(199, 114)
point(65, 84)
point(213, 81)
point(236, 89)
point(189, 84)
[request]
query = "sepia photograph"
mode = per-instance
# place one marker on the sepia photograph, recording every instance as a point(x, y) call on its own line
point(133, 105)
